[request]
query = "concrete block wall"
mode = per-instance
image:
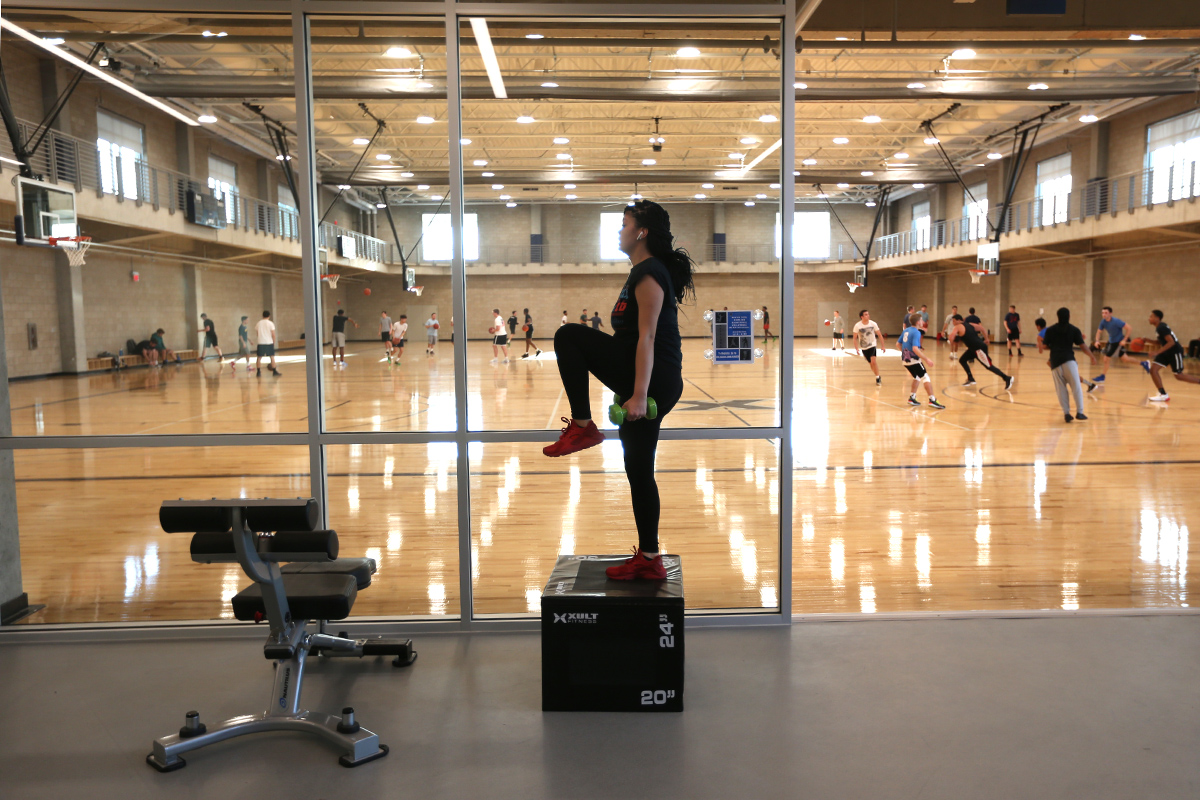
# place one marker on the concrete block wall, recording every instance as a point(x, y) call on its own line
point(116, 308)
point(28, 281)
point(226, 297)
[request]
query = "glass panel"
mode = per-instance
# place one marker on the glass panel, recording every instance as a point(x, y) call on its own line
point(720, 512)
point(91, 546)
point(398, 505)
point(382, 131)
point(558, 140)
point(166, 246)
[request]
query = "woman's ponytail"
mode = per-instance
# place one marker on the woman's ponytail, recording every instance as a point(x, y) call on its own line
point(661, 244)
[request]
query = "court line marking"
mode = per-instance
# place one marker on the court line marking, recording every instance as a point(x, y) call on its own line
point(715, 400)
point(554, 411)
point(198, 416)
point(929, 416)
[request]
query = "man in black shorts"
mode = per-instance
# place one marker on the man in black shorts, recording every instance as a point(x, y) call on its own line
point(528, 329)
point(339, 336)
point(1012, 325)
point(1169, 356)
point(210, 338)
point(971, 334)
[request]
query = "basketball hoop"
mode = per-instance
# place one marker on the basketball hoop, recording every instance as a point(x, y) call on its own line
point(417, 290)
point(331, 279)
point(977, 274)
point(853, 286)
point(75, 247)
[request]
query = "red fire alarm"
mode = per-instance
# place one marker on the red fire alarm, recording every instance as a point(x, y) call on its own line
point(135, 275)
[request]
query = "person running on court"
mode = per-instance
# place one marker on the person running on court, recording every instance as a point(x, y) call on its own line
point(339, 336)
point(972, 334)
point(838, 323)
point(399, 339)
point(908, 312)
point(265, 333)
point(528, 329)
point(946, 326)
point(431, 333)
point(385, 332)
point(210, 338)
point(1118, 332)
point(1012, 325)
point(767, 325)
point(499, 337)
point(911, 355)
point(243, 346)
point(1169, 355)
point(924, 312)
point(642, 359)
point(865, 332)
point(1061, 340)
point(512, 325)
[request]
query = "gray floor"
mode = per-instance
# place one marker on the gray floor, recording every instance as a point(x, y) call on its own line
point(1086, 707)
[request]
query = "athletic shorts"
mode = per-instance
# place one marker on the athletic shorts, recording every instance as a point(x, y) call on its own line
point(210, 340)
point(399, 342)
point(916, 369)
point(501, 339)
point(972, 352)
point(529, 333)
point(1114, 350)
point(243, 349)
point(1014, 336)
point(837, 335)
point(431, 340)
point(266, 350)
point(385, 336)
point(868, 353)
point(339, 338)
point(1172, 359)
point(160, 350)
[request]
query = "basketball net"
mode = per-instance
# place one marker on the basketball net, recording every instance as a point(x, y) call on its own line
point(75, 247)
point(852, 286)
point(976, 275)
point(331, 279)
point(417, 290)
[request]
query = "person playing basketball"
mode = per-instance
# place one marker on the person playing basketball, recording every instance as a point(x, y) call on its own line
point(499, 337)
point(767, 335)
point(528, 329)
point(641, 359)
point(1118, 332)
point(838, 323)
point(243, 346)
point(431, 333)
point(210, 338)
point(911, 355)
point(865, 332)
point(972, 335)
point(399, 339)
point(1012, 326)
point(1169, 355)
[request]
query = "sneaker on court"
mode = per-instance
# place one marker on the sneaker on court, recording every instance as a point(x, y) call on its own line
point(878, 380)
point(258, 373)
point(538, 353)
point(1092, 387)
point(1020, 354)
point(1146, 366)
point(1081, 416)
point(1008, 383)
point(574, 438)
point(1098, 379)
point(969, 383)
point(494, 361)
point(638, 568)
point(936, 404)
point(1160, 398)
point(525, 355)
point(913, 401)
point(1068, 417)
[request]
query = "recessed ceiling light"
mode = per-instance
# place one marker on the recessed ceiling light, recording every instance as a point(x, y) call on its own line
point(1037, 87)
point(207, 34)
point(525, 119)
point(796, 174)
point(568, 186)
point(381, 205)
point(1086, 118)
point(688, 52)
point(761, 196)
point(965, 52)
point(800, 85)
point(843, 186)
point(464, 142)
point(841, 140)
point(748, 140)
point(872, 118)
point(916, 86)
point(506, 197)
point(479, 162)
point(383, 157)
point(549, 85)
point(571, 196)
point(635, 196)
point(406, 174)
point(563, 156)
point(424, 120)
point(207, 119)
point(561, 140)
point(774, 185)
point(435, 197)
point(822, 195)
point(866, 173)
point(398, 52)
point(995, 156)
point(737, 156)
point(931, 140)
point(808, 162)
point(648, 162)
point(1136, 37)
point(706, 186)
point(422, 187)
point(900, 156)
point(841, 38)
point(870, 204)
point(768, 118)
point(361, 141)
point(511, 204)
point(289, 158)
point(700, 196)
point(918, 186)
point(535, 36)
point(344, 186)
point(749, 202)
point(488, 174)
point(497, 186)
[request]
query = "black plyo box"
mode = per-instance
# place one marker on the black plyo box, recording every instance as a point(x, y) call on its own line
point(611, 645)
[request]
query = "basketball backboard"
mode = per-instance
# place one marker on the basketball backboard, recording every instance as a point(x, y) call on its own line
point(44, 210)
point(860, 275)
point(988, 258)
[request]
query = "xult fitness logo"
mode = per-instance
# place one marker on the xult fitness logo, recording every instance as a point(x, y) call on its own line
point(587, 619)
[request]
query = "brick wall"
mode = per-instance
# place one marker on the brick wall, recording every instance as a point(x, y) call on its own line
point(115, 308)
point(29, 286)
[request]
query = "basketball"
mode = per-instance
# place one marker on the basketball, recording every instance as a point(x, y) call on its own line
point(525, 328)
point(437, 325)
point(492, 330)
point(826, 322)
point(367, 291)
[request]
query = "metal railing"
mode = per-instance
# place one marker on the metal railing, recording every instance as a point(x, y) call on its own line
point(1141, 189)
point(76, 162)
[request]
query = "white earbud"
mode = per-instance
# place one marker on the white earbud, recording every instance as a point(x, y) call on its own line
point(640, 235)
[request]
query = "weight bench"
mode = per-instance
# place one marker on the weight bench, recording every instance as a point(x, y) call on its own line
point(312, 584)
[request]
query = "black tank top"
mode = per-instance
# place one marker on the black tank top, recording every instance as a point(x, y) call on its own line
point(972, 338)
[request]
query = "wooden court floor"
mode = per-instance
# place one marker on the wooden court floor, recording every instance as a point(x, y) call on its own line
point(994, 503)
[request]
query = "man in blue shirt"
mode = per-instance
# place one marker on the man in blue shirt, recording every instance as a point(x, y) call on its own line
point(912, 355)
point(1118, 334)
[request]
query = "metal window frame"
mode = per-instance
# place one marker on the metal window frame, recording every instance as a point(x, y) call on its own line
point(315, 437)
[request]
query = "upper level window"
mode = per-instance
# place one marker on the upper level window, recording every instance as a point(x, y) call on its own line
point(288, 212)
point(122, 146)
point(437, 244)
point(222, 179)
point(810, 235)
point(975, 210)
point(610, 235)
point(921, 220)
point(1054, 188)
point(1173, 157)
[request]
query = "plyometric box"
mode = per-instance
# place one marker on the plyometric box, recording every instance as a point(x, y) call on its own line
point(611, 645)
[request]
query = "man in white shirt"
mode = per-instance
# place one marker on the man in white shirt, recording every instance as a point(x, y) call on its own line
point(265, 334)
point(399, 332)
point(431, 333)
point(865, 333)
point(564, 319)
point(499, 337)
point(948, 326)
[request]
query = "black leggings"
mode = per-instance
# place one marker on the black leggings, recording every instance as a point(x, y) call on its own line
point(581, 350)
point(972, 355)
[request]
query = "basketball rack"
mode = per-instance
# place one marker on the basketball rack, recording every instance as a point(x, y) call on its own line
point(75, 247)
point(417, 290)
point(331, 279)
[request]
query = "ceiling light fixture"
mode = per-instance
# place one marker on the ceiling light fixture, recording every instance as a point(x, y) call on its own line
point(488, 174)
point(1086, 118)
point(648, 162)
point(870, 204)
point(424, 120)
point(361, 141)
point(750, 203)
point(995, 156)
point(561, 140)
point(511, 204)
point(840, 140)
point(916, 86)
point(1037, 87)
point(406, 174)
point(571, 196)
point(568, 186)
point(563, 156)
point(534, 36)
point(931, 140)
point(843, 186)
point(748, 140)
point(54, 41)
point(706, 186)
point(761, 196)
point(800, 85)
point(483, 40)
point(479, 162)
point(435, 197)
point(497, 186)
point(219, 34)
point(549, 85)
point(525, 119)
point(506, 197)
point(464, 142)
point(398, 52)
point(423, 187)
point(688, 52)
point(207, 118)
point(383, 157)
point(1136, 37)
point(918, 186)
point(871, 119)
point(809, 162)
point(866, 173)
point(344, 187)
point(768, 118)
point(964, 52)
point(700, 196)
point(774, 185)
point(900, 156)
point(381, 205)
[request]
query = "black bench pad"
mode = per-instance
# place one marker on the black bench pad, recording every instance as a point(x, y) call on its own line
point(309, 597)
point(361, 568)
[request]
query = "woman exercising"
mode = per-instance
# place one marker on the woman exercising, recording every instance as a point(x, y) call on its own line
point(642, 359)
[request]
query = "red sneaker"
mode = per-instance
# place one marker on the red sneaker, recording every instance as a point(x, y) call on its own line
point(574, 438)
point(639, 568)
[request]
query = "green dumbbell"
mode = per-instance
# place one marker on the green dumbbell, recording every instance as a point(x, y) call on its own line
point(617, 414)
